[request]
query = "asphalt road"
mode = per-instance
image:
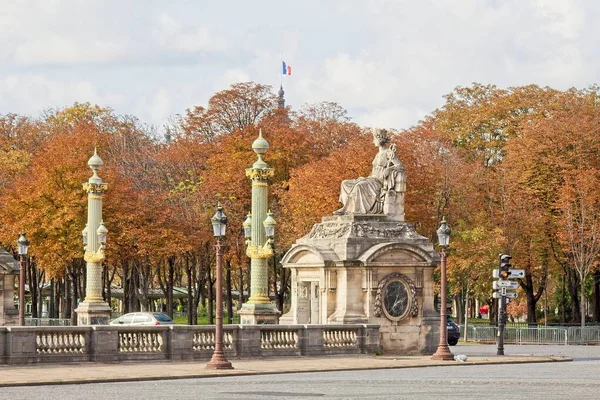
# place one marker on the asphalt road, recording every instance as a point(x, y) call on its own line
point(579, 379)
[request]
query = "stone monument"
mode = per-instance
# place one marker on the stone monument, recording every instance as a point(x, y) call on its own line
point(9, 315)
point(365, 264)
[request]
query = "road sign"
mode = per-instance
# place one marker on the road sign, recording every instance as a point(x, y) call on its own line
point(509, 295)
point(505, 284)
point(514, 273)
point(517, 273)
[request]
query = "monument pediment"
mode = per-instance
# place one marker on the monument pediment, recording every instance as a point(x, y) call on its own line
point(396, 256)
point(307, 257)
point(307, 254)
point(397, 253)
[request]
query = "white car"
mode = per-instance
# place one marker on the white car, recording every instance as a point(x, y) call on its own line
point(143, 318)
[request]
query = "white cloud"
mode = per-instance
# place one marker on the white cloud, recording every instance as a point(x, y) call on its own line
point(31, 94)
point(387, 62)
point(564, 18)
point(55, 49)
point(231, 76)
point(391, 117)
point(173, 35)
point(161, 105)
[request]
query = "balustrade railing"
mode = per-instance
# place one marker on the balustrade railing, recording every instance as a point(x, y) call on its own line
point(140, 342)
point(205, 340)
point(340, 338)
point(279, 339)
point(60, 343)
point(180, 342)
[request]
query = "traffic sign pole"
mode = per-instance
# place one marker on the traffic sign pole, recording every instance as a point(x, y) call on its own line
point(504, 272)
point(501, 319)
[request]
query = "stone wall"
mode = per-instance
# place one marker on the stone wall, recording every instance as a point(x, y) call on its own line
point(27, 345)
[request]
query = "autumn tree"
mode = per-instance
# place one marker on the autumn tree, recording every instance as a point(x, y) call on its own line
point(244, 104)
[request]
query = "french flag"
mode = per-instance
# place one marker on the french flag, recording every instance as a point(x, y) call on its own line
point(287, 70)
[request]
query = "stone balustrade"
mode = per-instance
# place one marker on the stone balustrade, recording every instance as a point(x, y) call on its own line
point(105, 343)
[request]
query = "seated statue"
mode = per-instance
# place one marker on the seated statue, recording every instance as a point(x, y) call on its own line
point(382, 192)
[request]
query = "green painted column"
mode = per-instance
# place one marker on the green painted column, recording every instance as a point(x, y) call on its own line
point(259, 308)
point(259, 173)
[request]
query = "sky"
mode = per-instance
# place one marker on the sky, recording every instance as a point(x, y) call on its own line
point(388, 62)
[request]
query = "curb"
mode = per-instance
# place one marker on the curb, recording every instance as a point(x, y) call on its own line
point(242, 372)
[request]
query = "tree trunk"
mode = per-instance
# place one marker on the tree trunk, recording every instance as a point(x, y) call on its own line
point(133, 288)
point(31, 271)
point(170, 281)
point(75, 294)
point(81, 277)
point(597, 296)
point(64, 293)
point(248, 281)
point(190, 298)
point(145, 278)
point(210, 299)
point(104, 280)
point(125, 286)
point(459, 308)
point(39, 289)
point(283, 285)
point(274, 283)
point(67, 300)
point(582, 305)
point(229, 299)
point(531, 304)
point(110, 276)
point(241, 287)
point(52, 305)
point(573, 286)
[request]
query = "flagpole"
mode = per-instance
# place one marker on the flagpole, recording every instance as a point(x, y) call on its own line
point(281, 71)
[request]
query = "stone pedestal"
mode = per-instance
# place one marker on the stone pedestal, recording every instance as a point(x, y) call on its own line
point(258, 314)
point(373, 269)
point(93, 314)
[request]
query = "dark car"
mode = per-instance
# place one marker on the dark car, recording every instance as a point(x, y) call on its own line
point(453, 332)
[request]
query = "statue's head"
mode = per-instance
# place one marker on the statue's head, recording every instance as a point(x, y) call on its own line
point(380, 136)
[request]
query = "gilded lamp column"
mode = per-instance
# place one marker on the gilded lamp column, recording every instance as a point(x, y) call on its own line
point(260, 223)
point(94, 310)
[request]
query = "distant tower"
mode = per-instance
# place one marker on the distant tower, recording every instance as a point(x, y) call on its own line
point(168, 135)
point(281, 100)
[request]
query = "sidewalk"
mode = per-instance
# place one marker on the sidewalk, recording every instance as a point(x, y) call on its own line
point(53, 374)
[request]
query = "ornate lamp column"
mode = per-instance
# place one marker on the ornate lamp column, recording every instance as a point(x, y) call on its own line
point(22, 246)
point(443, 351)
point(94, 310)
point(259, 231)
point(218, 360)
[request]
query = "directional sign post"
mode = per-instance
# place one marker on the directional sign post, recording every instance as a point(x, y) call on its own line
point(509, 295)
point(514, 274)
point(517, 274)
point(501, 287)
point(505, 285)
